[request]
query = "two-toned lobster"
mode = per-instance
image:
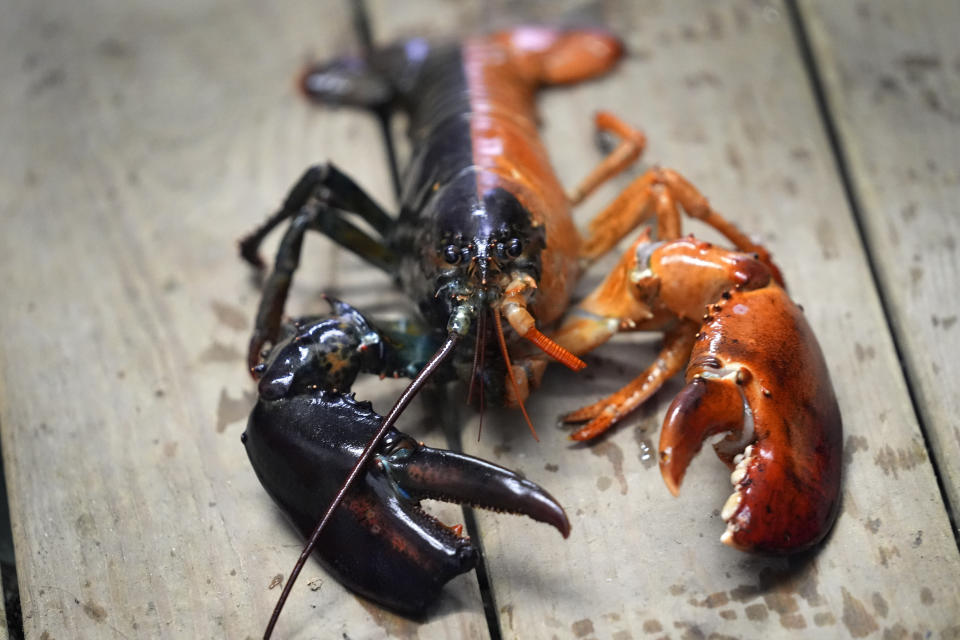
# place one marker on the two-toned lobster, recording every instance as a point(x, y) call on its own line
point(485, 245)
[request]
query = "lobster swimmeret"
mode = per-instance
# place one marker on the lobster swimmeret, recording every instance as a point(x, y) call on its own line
point(485, 233)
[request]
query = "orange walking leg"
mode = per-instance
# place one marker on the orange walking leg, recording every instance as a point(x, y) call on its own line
point(677, 345)
point(632, 143)
point(658, 192)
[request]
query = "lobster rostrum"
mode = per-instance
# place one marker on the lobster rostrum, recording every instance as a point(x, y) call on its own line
point(485, 234)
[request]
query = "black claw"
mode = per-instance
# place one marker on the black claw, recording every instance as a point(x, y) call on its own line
point(454, 477)
point(379, 543)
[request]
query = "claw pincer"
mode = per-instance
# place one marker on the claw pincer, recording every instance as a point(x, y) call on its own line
point(754, 371)
point(757, 373)
point(306, 433)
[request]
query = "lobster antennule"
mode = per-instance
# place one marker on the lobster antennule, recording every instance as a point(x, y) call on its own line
point(554, 350)
point(514, 306)
point(510, 375)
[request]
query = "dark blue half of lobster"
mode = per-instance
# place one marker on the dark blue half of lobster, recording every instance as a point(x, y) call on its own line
point(303, 438)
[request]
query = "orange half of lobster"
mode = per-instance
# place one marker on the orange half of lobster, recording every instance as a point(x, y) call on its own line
point(756, 373)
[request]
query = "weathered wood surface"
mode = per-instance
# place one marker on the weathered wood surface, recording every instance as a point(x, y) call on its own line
point(144, 139)
point(892, 76)
point(4, 632)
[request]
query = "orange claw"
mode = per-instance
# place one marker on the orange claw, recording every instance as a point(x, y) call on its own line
point(757, 372)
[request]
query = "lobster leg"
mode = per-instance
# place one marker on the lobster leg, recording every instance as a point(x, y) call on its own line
point(600, 416)
point(659, 192)
point(631, 208)
point(277, 286)
point(756, 373)
point(379, 541)
point(329, 184)
point(623, 155)
point(617, 304)
point(319, 201)
point(328, 352)
point(635, 297)
point(306, 433)
point(625, 300)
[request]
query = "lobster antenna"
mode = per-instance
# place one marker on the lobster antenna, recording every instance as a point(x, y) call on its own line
point(513, 379)
point(476, 361)
point(483, 347)
point(398, 407)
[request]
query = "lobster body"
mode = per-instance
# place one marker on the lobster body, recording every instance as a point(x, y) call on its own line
point(483, 223)
point(485, 232)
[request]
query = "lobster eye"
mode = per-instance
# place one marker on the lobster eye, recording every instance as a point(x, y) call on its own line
point(451, 254)
point(514, 247)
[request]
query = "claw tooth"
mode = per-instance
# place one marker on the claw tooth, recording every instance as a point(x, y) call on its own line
point(730, 507)
point(727, 537)
point(748, 451)
point(741, 461)
point(738, 474)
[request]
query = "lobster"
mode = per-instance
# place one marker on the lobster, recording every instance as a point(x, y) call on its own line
point(485, 234)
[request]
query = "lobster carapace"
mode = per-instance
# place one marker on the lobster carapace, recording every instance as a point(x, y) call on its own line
point(483, 223)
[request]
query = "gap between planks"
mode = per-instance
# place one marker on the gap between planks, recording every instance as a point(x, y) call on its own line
point(840, 156)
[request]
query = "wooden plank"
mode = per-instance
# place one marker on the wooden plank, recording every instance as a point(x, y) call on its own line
point(723, 96)
point(144, 139)
point(892, 80)
point(140, 123)
point(4, 630)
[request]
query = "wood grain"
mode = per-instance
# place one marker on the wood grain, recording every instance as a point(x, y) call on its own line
point(892, 79)
point(144, 139)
